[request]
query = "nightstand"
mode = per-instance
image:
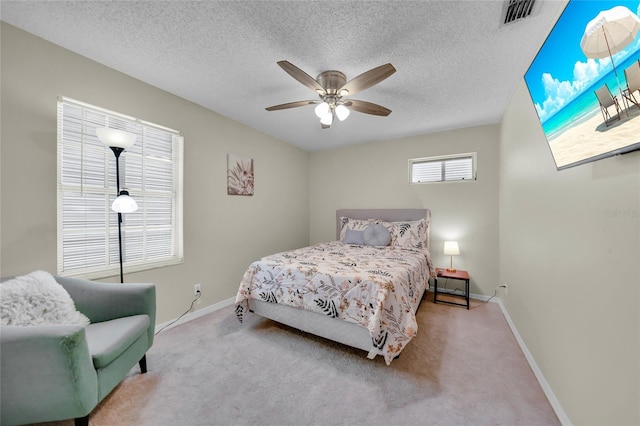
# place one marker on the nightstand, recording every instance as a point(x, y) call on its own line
point(457, 275)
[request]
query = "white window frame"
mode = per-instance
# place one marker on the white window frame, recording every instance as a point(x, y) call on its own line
point(443, 161)
point(87, 237)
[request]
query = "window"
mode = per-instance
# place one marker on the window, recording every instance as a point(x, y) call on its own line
point(456, 167)
point(151, 171)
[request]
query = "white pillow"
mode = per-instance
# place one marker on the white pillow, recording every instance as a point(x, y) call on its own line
point(410, 234)
point(37, 299)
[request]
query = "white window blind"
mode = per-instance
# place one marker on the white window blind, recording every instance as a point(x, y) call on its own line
point(456, 167)
point(151, 171)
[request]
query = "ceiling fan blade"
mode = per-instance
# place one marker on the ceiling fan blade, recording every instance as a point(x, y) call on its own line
point(367, 107)
point(302, 76)
point(291, 105)
point(368, 79)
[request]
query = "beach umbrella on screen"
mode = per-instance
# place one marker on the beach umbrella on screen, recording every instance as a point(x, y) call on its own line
point(608, 33)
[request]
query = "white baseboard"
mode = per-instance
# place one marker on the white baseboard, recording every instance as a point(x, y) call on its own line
point(480, 297)
point(555, 404)
point(197, 314)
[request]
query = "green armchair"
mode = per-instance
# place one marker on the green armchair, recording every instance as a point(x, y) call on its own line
point(56, 372)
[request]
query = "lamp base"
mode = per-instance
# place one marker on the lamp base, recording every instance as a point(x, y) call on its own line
point(451, 270)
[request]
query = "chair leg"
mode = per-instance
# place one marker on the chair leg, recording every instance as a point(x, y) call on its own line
point(82, 421)
point(143, 364)
point(605, 115)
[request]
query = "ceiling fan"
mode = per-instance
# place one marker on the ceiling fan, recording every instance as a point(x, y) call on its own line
point(332, 87)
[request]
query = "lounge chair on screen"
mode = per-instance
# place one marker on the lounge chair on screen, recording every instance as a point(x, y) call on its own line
point(632, 75)
point(607, 100)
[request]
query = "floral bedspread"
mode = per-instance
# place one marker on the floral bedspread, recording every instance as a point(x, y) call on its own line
point(376, 287)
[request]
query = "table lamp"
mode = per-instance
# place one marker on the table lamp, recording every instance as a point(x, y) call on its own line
point(451, 249)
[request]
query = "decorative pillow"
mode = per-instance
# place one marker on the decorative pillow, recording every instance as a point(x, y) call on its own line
point(355, 224)
point(354, 237)
point(37, 299)
point(376, 235)
point(411, 234)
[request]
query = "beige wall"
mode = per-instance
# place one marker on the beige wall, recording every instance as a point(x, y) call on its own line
point(376, 176)
point(572, 269)
point(222, 234)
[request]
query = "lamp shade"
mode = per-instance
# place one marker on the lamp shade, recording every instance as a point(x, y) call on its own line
point(124, 203)
point(322, 109)
point(327, 119)
point(342, 112)
point(451, 248)
point(115, 138)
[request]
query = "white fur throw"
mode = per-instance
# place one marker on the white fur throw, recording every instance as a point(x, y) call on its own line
point(37, 299)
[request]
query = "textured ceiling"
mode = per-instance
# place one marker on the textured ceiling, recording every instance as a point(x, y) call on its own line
point(457, 66)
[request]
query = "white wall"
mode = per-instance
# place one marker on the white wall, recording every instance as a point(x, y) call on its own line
point(572, 269)
point(222, 234)
point(376, 176)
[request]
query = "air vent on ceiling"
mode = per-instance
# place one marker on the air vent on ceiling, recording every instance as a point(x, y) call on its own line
point(516, 10)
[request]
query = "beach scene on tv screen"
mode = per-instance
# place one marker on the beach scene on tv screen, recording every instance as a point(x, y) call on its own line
point(585, 81)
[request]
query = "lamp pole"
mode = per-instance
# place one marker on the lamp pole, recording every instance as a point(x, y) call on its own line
point(118, 141)
point(117, 151)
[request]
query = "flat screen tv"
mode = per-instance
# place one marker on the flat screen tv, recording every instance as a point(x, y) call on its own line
point(587, 109)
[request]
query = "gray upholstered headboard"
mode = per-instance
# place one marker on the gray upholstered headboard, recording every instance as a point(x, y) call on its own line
point(387, 215)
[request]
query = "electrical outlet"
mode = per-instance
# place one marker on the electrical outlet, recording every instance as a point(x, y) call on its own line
point(196, 290)
point(502, 286)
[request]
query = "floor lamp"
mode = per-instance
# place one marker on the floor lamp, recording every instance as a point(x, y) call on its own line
point(118, 141)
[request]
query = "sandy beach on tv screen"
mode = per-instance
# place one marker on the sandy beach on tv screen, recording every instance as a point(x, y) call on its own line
point(592, 137)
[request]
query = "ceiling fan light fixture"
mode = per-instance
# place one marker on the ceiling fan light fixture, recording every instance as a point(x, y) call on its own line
point(332, 86)
point(342, 112)
point(327, 119)
point(322, 109)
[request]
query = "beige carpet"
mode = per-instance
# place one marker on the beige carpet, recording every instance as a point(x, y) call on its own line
point(463, 368)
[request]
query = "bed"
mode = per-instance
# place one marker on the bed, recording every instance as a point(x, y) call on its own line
point(360, 295)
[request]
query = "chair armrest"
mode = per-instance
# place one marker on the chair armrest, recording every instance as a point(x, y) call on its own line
point(107, 301)
point(46, 372)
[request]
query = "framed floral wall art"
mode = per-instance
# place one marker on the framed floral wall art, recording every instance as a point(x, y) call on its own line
point(239, 175)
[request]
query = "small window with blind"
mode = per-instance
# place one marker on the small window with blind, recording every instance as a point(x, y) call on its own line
point(151, 171)
point(446, 168)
